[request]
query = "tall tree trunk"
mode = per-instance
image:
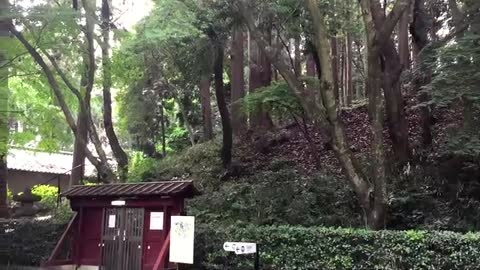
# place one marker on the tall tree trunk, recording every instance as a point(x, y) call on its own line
point(373, 207)
point(348, 71)
point(79, 153)
point(403, 48)
point(226, 152)
point(298, 55)
point(377, 211)
point(162, 124)
point(423, 74)
point(341, 84)
point(88, 81)
point(118, 152)
point(394, 102)
point(311, 69)
point(239, 121)
point(360, 68)
point(4, 93)
point(186, 123)
point(378, 38)
point(206, 107)
point(397, 122)
point(260, 76)
point(335, 61)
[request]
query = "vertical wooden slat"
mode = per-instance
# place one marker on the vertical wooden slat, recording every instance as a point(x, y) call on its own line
point(120, 254)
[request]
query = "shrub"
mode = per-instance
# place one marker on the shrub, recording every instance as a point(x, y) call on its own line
point(28, 243)
point(141, 167)
point(177, 139)
point(60, 210)
point(9, 194)
point(49, 195)
point(201, 160)
point(284, 247)
point(313, 200)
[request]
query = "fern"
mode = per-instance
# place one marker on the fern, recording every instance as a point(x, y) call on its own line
point(276, 99)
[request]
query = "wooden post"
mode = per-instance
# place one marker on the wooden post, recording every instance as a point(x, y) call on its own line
point(77, 241)
point(162, 256)
point(257, 258)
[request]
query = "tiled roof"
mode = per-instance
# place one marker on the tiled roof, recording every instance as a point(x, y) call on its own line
point(166, 188)
point(44, 162)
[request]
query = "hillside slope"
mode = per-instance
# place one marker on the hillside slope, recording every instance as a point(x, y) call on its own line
point(279, 177)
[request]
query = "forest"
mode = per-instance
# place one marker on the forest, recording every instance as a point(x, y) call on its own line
point(315, 123)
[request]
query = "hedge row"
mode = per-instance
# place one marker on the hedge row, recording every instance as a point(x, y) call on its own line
point(28, 243)
point(283, 247)
point(299, 248)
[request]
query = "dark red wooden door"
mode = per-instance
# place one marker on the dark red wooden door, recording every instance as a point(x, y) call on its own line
point(154, 237)
point(122, 239)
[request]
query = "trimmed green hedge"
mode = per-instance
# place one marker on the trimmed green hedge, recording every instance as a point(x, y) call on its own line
point(285, 247)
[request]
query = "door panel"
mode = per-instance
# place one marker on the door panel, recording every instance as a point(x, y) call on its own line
point(122, 239)
point(133, 239)
point(90, 250)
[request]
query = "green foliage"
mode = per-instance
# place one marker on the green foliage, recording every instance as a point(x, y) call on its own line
point(9, 194)
point(177, 139)
point(60, 210)
point(463, 143)
point(200, 161)
point(63, 213)
point(28, 243)
point(455, 85)
point(283, 196)
point(457, 72)
point(171, 19)
point(49, 195)
point(276, 99)
point(49, 27)
point(140, 167)
point(284, 247)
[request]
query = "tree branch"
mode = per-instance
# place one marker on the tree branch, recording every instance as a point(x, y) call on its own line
point(89, 61)
point(285, 45)
point(55, 87)
point(391, 21)
point(63, 76)
point(11, 60)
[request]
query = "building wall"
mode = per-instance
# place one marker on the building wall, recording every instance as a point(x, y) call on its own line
point(19, 180)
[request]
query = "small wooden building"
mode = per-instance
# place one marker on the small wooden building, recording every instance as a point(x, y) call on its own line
point(120, 226)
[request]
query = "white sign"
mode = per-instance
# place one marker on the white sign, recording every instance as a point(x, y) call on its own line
point(181, 239)
point(240, 247)
point(156, 220)
point(118, 203)
point(245, 248)
point(229, 246)
point(111, 221)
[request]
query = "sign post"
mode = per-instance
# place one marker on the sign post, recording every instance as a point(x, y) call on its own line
point(241, 248)
point(257, 259)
